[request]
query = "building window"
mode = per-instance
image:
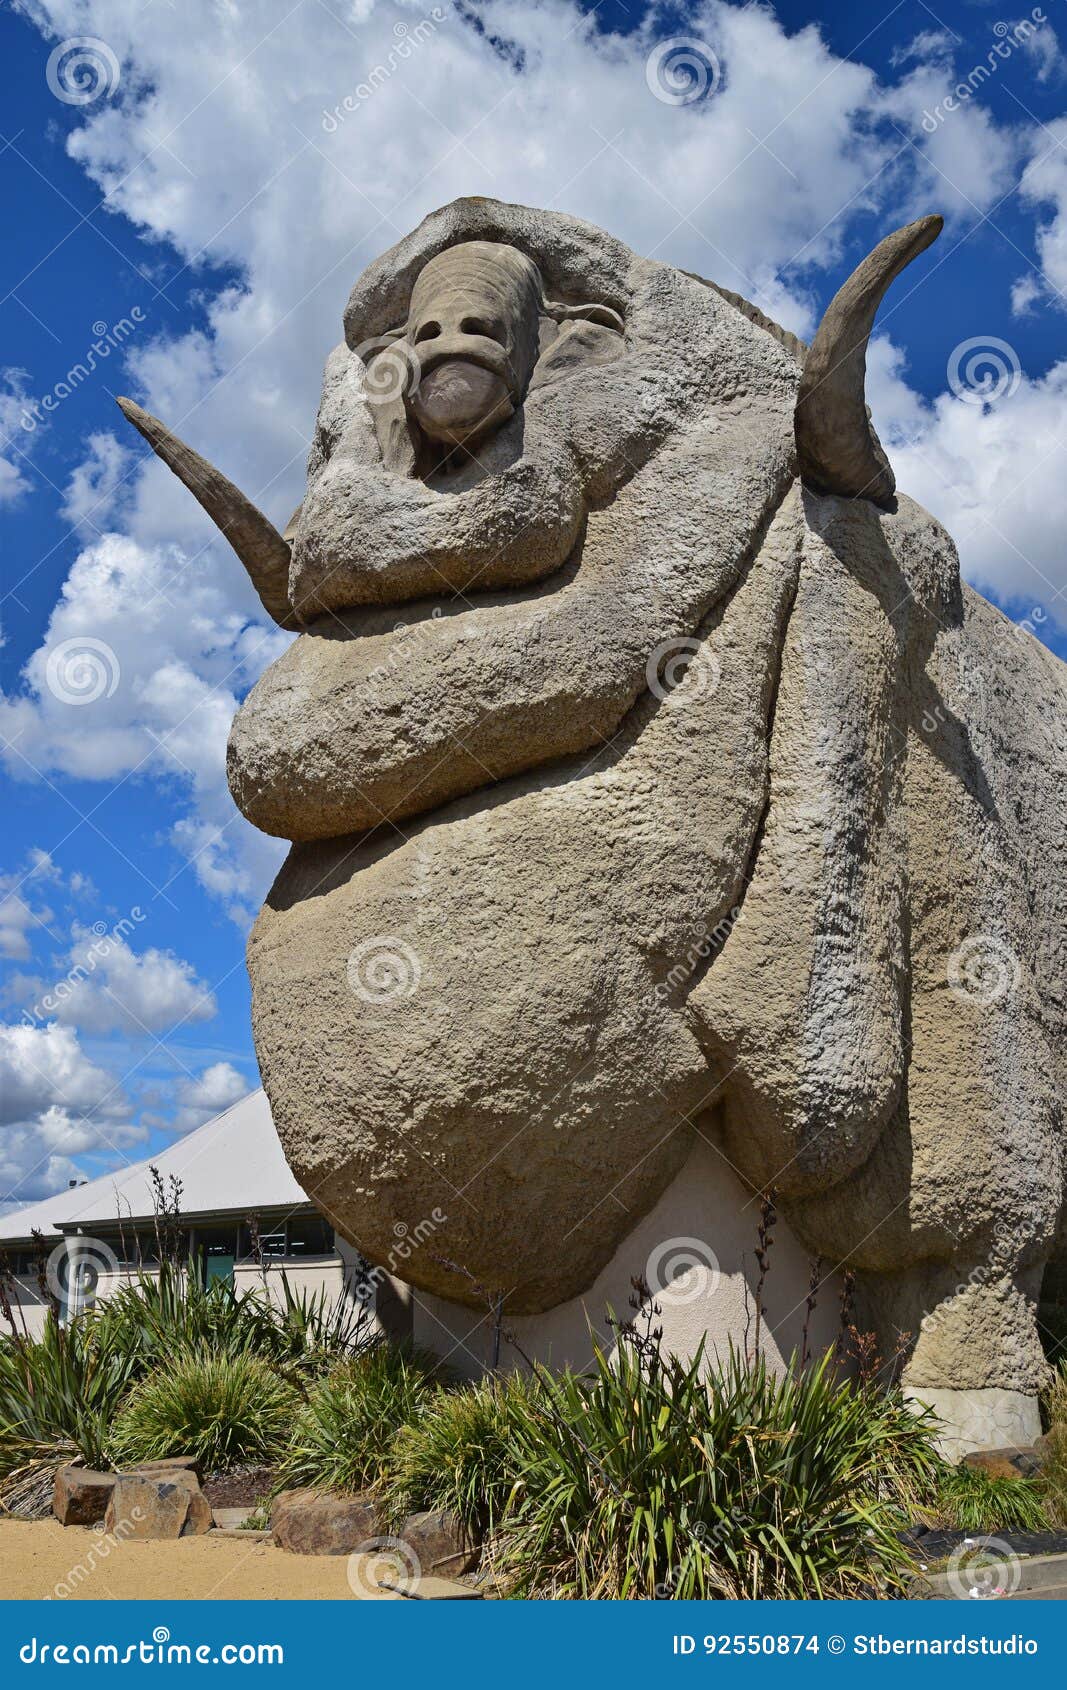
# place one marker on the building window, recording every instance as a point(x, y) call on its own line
point(271, 1243)
point(136, 1250)
point(310, 1235)
point(295, 1239)
point(216, 1247)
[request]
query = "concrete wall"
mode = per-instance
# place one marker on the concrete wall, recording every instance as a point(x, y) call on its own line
point(29, 1310)
point(696, 1248)
point(334, 1275)
point(307, 1275)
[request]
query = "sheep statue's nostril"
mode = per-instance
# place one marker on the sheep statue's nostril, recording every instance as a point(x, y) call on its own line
point(459, 401)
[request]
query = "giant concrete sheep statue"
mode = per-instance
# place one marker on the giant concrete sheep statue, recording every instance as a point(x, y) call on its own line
point(693, 798)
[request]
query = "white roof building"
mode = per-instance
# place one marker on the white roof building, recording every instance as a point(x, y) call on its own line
point(240, 1213)
point(232, 1165)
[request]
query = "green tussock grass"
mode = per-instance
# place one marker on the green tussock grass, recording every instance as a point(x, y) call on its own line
point(225, 1409)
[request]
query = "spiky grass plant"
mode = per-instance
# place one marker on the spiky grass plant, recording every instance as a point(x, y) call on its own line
point(459, 1452)
point(173, 1312)
point(225, 1409)
point(658, 1477)
point(59, 1394)
point(343, 1435)
point(970, 1500)
point(158, 1316)
point(1055, 1465)
point(312, 1331)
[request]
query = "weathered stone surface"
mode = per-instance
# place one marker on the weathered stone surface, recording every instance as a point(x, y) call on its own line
point(1007, 1463)
point(199, 1518)
point(81, 1496)
point(727, 808)
point(440, 1543)
point(990, 1417)
point(164, 1505)
point(420, 708)
point(316, 1522)
point(170, 1464)
point(490, 967)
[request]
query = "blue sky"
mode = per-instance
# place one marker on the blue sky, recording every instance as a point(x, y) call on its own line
point(203, 217)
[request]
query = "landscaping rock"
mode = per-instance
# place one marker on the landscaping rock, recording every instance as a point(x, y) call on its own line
point(144, 1506)
point(440, 1543)
point(1007, 1463)
point(81, 1496)
point(315, 1522)
point(170, 1463)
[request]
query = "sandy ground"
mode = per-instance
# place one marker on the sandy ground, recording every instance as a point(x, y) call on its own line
point(41, 1558)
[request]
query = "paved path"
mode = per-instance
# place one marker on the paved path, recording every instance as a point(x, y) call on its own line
point(1042, 1578)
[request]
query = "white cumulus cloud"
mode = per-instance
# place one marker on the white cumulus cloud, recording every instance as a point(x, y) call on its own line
point(95, 483)
point(208, 1094)
point(107, 987)
point(55, 1104)
point(994, 472)
point(14, 439)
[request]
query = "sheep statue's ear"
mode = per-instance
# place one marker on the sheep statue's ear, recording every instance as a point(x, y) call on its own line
point(592, 313)
point(837, 449)
point(262, 550)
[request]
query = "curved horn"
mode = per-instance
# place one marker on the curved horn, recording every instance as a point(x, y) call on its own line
point(262, 550)
point(837, 449)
